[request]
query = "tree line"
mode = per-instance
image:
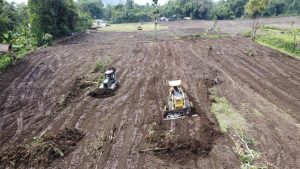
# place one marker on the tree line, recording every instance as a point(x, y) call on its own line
point(58, 18)
point(225, 9)
point(196, 9)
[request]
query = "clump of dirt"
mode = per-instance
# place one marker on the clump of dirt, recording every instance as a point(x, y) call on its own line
point(102, 93)
point(179, 147)
point(213, 82)
point(41, 151)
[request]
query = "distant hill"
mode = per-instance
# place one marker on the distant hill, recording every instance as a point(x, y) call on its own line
point(111, 2)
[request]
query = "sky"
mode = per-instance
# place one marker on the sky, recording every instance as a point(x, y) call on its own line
point(140, 2)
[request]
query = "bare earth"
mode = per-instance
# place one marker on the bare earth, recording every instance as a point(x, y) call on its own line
point(264, 89)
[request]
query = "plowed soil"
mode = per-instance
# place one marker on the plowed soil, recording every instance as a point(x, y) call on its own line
point(117, 128)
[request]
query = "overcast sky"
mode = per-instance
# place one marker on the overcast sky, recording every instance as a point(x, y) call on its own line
point(141, 2)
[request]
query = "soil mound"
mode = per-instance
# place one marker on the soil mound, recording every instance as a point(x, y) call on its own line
point(178, 146)
point(41, 151)
point(102, 93)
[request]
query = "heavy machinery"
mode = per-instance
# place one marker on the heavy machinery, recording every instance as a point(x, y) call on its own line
point(140, 28)
point(179, 105)
point(110, 82)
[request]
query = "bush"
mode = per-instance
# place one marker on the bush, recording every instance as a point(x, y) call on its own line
point(47, 39)
point(101, 66)
point(5, 60)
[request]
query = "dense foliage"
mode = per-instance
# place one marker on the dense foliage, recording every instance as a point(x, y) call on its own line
point(26, 27)
point(225, 9)
point(94, 7)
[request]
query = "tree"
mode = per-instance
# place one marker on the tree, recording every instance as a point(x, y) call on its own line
point(55, 17)
point(223, 11)
point(197, 9)
point(10, 38)
point(237, 7)
point(94, 7)
point(156, 12)
point(253, 9)
point(129, 4)
point(275, 8)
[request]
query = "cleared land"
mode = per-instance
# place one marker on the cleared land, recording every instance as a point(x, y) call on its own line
point(263, 89)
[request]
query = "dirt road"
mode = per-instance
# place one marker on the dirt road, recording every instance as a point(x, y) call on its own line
point(264, 89)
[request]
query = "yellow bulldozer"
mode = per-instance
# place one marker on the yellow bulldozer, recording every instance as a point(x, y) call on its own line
point(140, 28)
point(178, 105)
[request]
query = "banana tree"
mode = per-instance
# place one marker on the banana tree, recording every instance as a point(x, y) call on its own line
point(10, 38)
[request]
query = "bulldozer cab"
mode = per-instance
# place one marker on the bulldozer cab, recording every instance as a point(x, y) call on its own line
point(110, 75)
point(177, 94)
point(178, 102)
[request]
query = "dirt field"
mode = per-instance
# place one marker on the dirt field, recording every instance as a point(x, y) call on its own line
point(264, 89)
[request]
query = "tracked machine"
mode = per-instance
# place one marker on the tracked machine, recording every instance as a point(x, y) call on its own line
point(110, 82)
point(178, 105)
point(140, 28)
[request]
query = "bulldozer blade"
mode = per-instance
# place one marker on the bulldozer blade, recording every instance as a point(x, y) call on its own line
point(176, 114)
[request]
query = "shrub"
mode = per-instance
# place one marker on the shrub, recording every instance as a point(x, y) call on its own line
point(47, 39)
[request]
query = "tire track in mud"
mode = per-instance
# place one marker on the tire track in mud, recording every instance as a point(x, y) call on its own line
point(245, 74)
point(273, 112)
point(130, 154)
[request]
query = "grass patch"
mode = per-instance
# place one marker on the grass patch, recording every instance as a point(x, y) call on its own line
point(283, 40)
point(5, 60)
point(204, 35)
point(244, 145)
point(132, 27)
point(268, 43)
point(226, 116)
point(101, 66)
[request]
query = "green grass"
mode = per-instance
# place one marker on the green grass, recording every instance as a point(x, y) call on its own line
point(226, 116)
point(5, 60)
point(101, 66)
point(279, 39)
point(132, 27)
point(279, 47)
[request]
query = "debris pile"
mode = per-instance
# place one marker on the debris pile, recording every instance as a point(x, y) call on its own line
point(41, 151)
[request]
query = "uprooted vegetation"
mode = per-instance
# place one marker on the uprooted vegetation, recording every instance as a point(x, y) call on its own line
point(205, 35)
point(103, 139)
point(81, 83)
point(41, 151)
point(245, 147)
point(101, 66)
point(78, 85)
